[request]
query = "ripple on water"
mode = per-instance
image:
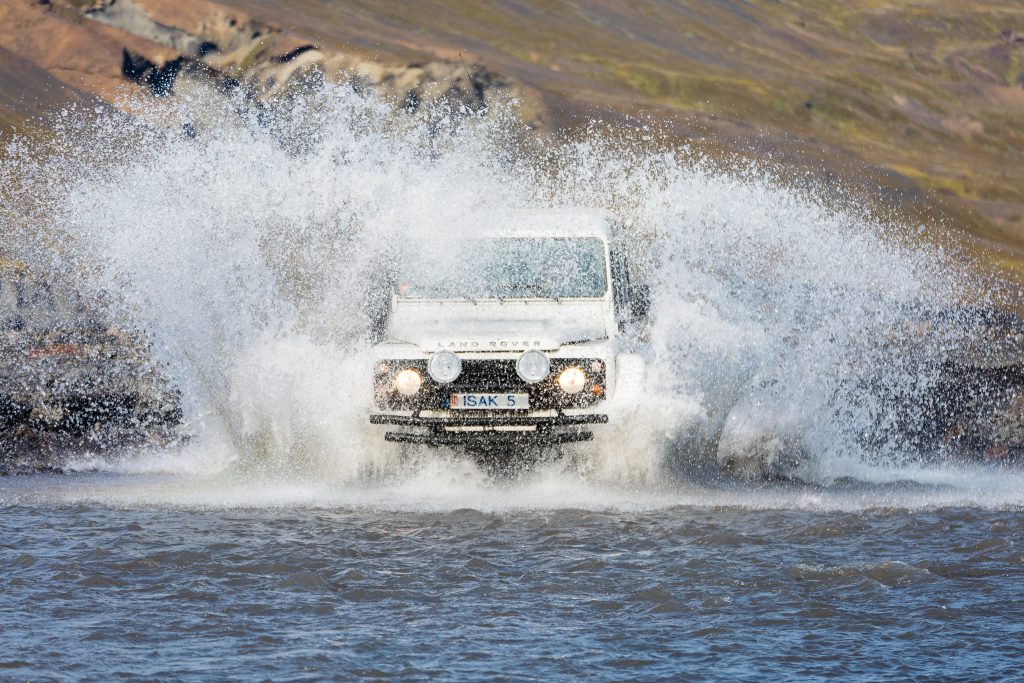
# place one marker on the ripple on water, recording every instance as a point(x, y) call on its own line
point(719, 590)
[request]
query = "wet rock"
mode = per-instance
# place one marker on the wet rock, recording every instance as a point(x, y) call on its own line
point(959, 397)
point(268, 63)
point(977, 407)
point(160, 80)
point(70, 384)
point(292, 54)
point(135, 67)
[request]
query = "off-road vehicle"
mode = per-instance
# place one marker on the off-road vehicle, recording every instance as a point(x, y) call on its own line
point(523, 330)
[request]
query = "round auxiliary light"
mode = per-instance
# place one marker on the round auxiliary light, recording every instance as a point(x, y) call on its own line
point(532, 367)
point(444, 367)
point(408, 382)
point(572, 380)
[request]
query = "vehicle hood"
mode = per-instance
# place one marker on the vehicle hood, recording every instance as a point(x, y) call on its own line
point(497, 326)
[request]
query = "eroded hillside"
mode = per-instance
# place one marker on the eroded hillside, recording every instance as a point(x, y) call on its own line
point(920, 104)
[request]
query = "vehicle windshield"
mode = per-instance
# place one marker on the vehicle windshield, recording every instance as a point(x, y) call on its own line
point(505, 268)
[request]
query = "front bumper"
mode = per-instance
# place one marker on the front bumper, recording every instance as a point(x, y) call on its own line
point(490, 375)
point(490, 430)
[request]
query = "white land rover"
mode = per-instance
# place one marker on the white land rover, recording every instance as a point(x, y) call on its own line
point(523, 330)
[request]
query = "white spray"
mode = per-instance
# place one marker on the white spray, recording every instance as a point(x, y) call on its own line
point(247, 253)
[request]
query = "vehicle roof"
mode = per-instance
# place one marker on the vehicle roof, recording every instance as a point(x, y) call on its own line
point(548, 222)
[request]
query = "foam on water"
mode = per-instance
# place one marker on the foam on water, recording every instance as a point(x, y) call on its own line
point(441, 485)
point(247, 252)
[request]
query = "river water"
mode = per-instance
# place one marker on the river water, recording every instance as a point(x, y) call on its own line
point(781, 506)
point(450, 575)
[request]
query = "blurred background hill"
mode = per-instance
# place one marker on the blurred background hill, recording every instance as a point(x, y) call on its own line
point(919, 104)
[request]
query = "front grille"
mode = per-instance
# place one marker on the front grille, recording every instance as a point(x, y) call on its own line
point(490, 376)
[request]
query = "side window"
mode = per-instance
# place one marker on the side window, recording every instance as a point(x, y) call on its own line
point(620, 287)
point(632, 299)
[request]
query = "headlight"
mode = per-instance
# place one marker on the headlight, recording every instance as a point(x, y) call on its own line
point(408, 382)
point(572, 380)
point(533, 366)
point(444, 367)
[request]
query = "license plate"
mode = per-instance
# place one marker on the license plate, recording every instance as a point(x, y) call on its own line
point(489, 401)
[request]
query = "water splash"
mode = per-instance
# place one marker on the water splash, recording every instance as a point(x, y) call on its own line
point(246, 247)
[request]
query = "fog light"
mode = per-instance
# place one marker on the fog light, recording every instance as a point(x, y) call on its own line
point(444, 367)
point(572, 380)
point(408, 382)
point(532, 367)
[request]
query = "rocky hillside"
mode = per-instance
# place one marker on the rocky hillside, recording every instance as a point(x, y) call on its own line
point(61, 51)
point(921, 104)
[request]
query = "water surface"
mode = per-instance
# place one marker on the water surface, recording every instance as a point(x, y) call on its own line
point(176, 577)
